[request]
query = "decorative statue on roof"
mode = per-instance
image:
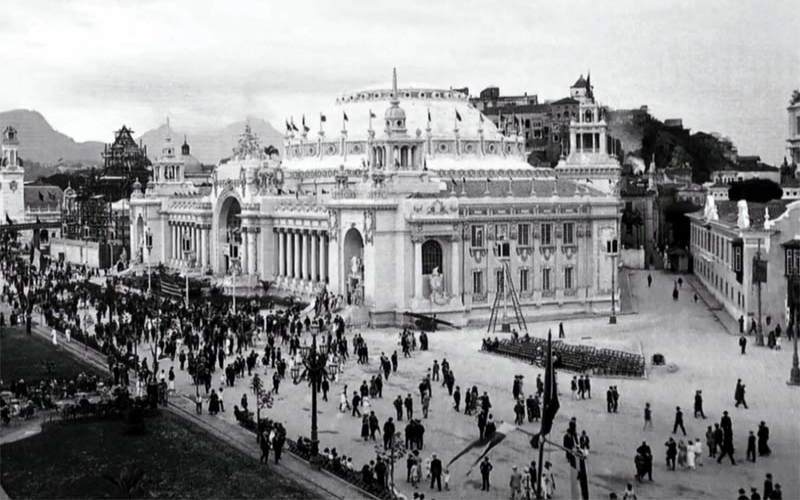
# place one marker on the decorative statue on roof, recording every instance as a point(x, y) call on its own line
point(710, 210)
point(743, 218)
point(248, 146)
point(243, 180)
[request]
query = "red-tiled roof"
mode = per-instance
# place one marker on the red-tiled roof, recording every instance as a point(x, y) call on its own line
point(728, 211)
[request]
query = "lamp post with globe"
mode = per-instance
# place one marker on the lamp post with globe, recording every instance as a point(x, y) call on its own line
point(315, 370)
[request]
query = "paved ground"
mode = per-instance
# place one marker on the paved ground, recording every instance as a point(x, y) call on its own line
point(691, 338)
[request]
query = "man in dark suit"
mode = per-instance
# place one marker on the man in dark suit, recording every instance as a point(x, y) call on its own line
point(486, 469)
point(436, 472)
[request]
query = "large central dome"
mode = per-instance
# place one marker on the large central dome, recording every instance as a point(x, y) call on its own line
point(445, 130)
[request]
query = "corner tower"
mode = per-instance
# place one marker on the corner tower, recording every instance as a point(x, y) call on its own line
point(12, 199)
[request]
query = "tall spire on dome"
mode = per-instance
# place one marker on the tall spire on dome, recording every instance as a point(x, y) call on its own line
point(395, 95)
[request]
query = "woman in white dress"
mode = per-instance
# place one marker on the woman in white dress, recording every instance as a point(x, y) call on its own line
point(54, 335)
point(690, 452)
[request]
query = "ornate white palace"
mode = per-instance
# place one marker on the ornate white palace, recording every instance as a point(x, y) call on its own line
point(402, 214)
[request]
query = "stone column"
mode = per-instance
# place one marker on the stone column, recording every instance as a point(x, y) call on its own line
point(251, 250)
point(173, 234)
point(304, 262)
point(323, 258)
point(418, 269)
point(455, 268)
point(200, 249)
point(314, 257)
point(281, 252)
point(207, 245)
point(296, 255)
point(246, 250)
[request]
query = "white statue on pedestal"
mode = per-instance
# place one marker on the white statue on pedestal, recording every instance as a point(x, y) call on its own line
point(355, 266)
point(438, 295)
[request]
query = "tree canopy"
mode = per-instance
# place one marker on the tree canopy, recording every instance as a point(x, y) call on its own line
point(755, 190)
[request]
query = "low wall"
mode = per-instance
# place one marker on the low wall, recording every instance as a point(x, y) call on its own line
point(632, 258)
point(76, 251)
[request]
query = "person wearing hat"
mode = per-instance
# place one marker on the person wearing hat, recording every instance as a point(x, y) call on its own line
point(548, 485)
point(742, 495)
point(515, 482)
point(754, 494)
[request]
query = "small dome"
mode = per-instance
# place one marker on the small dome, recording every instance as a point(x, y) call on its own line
point(395, 113)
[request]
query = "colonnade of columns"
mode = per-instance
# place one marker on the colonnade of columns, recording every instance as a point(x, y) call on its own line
point(302, 255)
point(189, 239)
point(249, 250)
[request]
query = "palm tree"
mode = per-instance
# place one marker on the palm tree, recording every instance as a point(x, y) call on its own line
point(130, 481)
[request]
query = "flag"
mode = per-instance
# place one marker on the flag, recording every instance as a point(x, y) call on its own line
point(500, 434)
point(41, 196)
point(169, 287)
point(8, 220)
point(294, 127)
point(305, 128)
point(429, 116)
point(373, 115)
point(480, 117)
point(288, 127)
point(550, 402)
point(345, 116)
point(458, 116)
point(52, 196)
point(322, 118)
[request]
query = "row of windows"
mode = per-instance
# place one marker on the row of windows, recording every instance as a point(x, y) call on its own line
point(524, 280)
point(720, 283)
point(721, 247)
point(792, 261)
point(524, 234)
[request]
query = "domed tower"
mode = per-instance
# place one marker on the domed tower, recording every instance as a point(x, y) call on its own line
point(169, 167)
point(395, 116)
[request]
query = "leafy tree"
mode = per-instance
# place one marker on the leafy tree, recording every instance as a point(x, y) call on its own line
point(755, 190)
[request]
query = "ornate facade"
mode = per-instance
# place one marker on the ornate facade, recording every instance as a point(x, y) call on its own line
point(415, 211)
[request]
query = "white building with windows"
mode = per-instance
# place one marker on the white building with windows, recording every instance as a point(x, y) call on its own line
point(397, 200)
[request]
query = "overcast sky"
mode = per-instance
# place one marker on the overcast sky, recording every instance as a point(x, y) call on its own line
point(726, 66)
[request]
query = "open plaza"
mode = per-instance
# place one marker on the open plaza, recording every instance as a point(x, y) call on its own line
point(700, 353)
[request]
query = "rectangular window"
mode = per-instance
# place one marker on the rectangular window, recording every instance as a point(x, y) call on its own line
point(524, 235)
point(500, 280)
point(477, 237)
point(796, 261)
point(546, 280)
point(737, 265)
point(523, 280)
point(547, 234)
point(568, 278)
point(477, 282)
point(569, 233)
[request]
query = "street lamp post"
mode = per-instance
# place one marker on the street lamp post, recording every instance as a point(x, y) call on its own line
point(612, 248)
point(148, 243)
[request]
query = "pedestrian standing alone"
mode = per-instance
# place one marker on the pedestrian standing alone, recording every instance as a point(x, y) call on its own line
point(486, 470)
point(678, 421)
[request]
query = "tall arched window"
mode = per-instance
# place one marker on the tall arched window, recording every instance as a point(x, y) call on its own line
point(431, 256)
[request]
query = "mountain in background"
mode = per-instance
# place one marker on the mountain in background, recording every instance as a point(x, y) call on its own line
point(210, 146)
point(39, 142)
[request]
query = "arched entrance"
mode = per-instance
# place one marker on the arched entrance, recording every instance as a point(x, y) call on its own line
point(353, 263)
point(432, 258)
point(229, 235)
